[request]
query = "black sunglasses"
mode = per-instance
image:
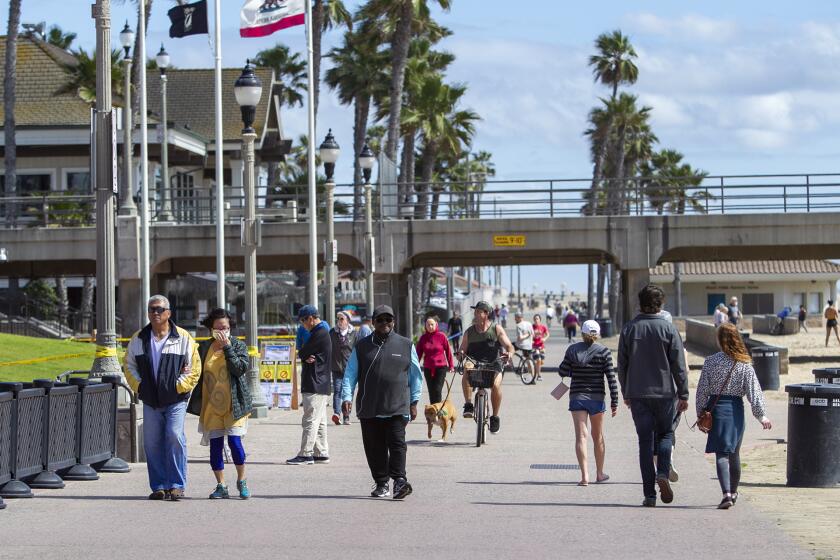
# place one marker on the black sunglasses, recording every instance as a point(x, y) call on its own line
point(158, 310)
point(384, 319)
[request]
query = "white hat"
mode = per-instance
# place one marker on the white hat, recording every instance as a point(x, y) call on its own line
point(591, 327)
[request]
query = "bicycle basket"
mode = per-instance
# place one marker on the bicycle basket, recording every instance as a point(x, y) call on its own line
point(482, 378)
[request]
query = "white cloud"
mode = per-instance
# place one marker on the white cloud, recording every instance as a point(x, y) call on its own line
point(689, 26)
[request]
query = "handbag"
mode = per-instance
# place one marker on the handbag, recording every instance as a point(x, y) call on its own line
point(559, 391)
point(705, 421)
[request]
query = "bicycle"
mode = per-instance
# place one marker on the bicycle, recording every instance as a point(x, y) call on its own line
point(519, 364)
point(481, 376)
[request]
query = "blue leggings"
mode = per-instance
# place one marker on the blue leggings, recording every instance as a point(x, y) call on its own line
point(217, 462)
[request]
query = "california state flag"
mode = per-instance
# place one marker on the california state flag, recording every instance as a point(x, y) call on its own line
point(263, 17)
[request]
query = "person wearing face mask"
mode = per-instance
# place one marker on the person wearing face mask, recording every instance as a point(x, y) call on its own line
point(222, 399)
point(386, 368)
point(343, 337)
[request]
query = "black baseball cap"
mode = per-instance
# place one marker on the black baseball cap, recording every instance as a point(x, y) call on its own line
point(383, 310)
point(483, 306)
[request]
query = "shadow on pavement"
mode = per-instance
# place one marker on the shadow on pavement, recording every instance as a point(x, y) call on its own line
point(435, 443)
point(545, 483)
point(597, 505)
point(316, 497)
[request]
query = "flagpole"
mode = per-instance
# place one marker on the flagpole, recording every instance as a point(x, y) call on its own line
point(313, 207)
point(144, 162)
point(221, 298)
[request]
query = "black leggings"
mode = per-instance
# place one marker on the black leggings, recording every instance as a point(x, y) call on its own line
point(435, 383)
point(729, 470)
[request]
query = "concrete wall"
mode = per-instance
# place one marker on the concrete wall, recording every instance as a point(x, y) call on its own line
point(701, 337)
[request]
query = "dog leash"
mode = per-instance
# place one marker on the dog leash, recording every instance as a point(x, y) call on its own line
point(440, 413)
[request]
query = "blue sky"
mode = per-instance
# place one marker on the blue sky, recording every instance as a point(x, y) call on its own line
point(738, 87)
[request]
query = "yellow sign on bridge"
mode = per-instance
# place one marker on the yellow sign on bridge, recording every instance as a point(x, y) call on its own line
point(508, 240)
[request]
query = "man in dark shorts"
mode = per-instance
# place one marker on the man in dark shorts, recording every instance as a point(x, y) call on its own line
point(485, 341)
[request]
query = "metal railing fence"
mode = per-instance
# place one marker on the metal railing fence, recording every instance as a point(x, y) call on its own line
point(636, 196)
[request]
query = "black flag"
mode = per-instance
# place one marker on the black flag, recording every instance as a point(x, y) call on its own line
point(189, 19)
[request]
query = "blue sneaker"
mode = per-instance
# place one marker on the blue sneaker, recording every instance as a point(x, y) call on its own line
point(244, 492)
point(221, 492)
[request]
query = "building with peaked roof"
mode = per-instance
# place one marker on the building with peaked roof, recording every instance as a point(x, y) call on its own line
point(53, 129)
point(762, 287)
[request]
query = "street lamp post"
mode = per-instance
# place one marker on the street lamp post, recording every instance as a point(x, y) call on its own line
point(104, 180)
point(248, 90)
point(128, 207)
point(366, 160)
point(162, 60)
point(329, 152)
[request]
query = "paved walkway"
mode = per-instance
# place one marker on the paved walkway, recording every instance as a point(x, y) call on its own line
point(467, 501)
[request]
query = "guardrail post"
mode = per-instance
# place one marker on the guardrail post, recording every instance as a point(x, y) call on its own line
point(807, 193)
point(79, 471)
point(46, 478)
point(722, 199)
point(14, 488)
point(784, 198)
point(114, 464)
point(6, 431)
point(550, 195)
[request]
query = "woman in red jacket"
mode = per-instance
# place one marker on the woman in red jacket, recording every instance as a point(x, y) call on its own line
point(434, 350)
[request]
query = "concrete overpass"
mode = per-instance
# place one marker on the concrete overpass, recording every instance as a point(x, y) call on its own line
point(633, 243)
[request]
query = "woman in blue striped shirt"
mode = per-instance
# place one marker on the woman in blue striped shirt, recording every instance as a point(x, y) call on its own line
point(587, 363)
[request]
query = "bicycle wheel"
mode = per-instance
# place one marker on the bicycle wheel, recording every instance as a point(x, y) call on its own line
point(480, 418)
point(526, 375)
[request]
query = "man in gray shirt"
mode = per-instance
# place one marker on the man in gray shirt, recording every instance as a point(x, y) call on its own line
point(653, 376)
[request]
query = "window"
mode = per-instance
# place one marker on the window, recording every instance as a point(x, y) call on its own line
point(757, 304)
point(27, 184)
point(815, 303)
point(78, 182)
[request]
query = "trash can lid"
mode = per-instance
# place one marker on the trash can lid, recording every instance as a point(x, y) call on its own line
point(829, 371)
point(813, 389)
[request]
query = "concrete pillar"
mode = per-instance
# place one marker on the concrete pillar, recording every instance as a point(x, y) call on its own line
point(237, 183)
point(632, 281)
point(130, 300)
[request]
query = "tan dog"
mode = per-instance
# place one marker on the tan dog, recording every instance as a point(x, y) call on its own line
point(443, 415)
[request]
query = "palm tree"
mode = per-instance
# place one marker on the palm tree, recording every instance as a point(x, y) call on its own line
point(57, 37)
point(405, 15)
point(441, 126)
point(326, 14)
point(82, 75)
point(9, 97)
point(612, 65)
point(290, 72)
point(358, 72)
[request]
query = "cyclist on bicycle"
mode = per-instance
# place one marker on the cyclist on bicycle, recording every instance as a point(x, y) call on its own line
point(485, 341)
point(525, 340)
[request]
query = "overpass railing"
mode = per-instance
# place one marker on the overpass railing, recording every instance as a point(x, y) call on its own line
point(637, 196)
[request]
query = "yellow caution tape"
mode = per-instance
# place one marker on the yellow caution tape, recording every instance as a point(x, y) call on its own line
point(45, 359)
point(253, 351)
point(105, 352)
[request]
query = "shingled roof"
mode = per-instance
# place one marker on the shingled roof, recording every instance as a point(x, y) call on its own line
point(191, 101)
point(36, 102)
point(737, 268)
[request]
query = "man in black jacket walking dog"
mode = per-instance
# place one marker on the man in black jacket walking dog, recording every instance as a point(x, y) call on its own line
point(316, 357)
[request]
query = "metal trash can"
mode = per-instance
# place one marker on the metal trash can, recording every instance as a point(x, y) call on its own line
point(813, 454)
point(829, 376)
point(766, 364)
point(606, 327)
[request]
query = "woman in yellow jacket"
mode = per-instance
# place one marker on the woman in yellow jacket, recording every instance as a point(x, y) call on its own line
point(222, 399)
